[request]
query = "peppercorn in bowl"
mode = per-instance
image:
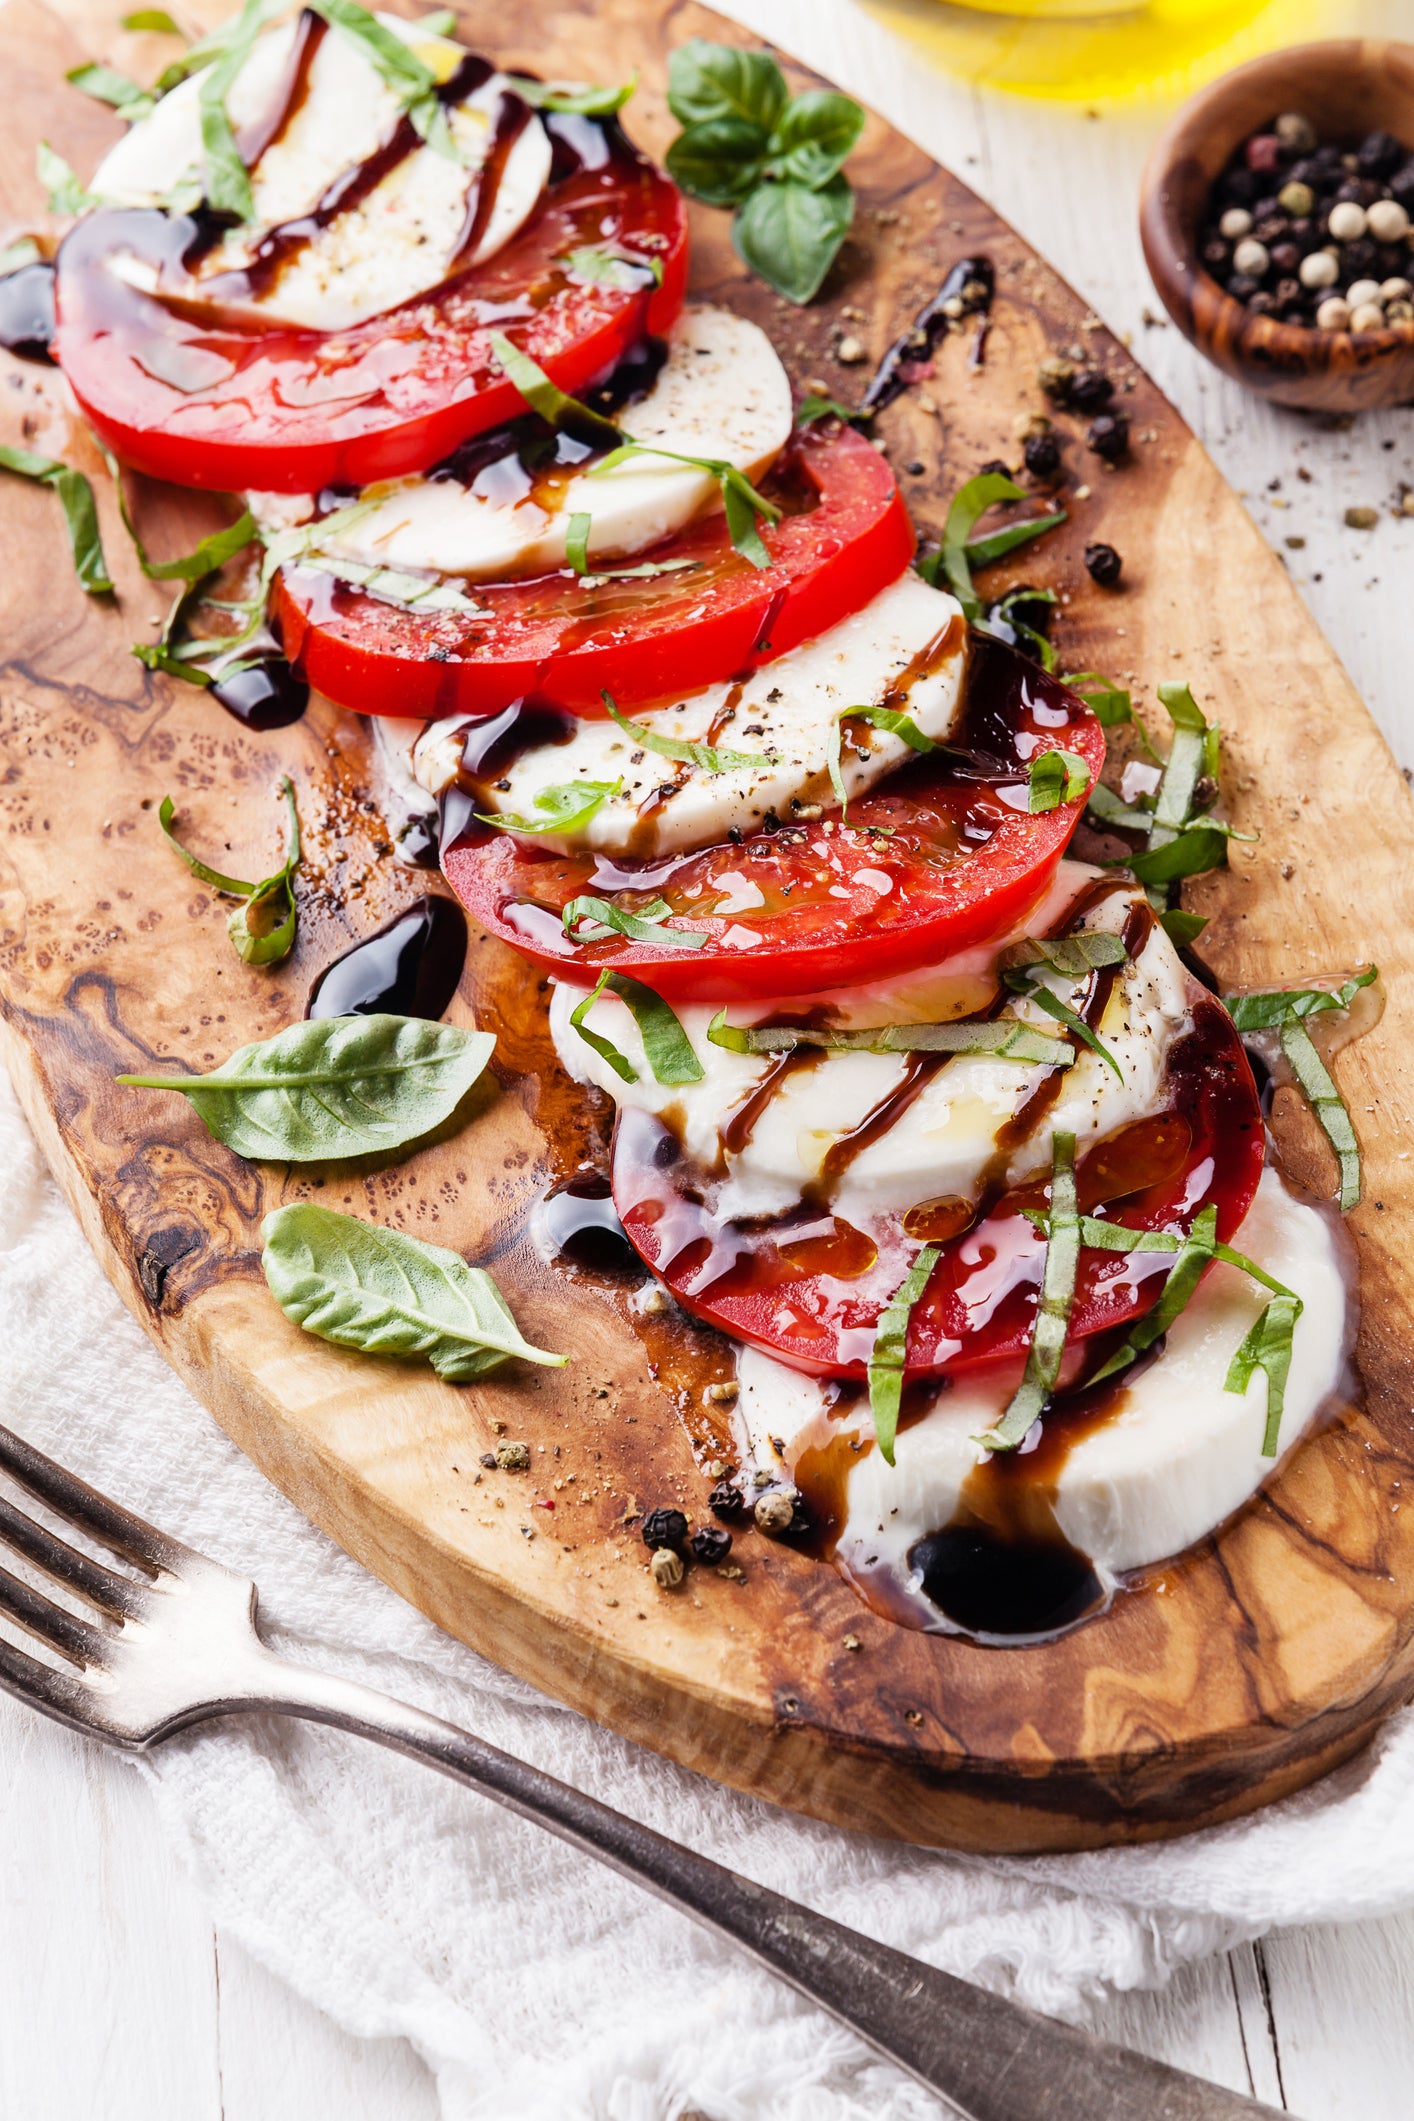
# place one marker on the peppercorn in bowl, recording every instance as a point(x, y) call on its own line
point(1277, 218)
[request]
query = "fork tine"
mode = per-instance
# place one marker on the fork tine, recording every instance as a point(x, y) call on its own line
point(63, 1631)
point(102, 1587)
point(62, 1693)
point(70, 1497)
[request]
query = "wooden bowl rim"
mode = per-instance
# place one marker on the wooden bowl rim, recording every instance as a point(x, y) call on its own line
point(1170, 243)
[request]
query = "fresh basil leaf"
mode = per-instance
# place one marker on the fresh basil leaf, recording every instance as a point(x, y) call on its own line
point(226, 178)
point(105, 85)
point(262, 928)
point(155, 19)
point(65, 193)
point(395, 62)
point(981, 552)
point(385, 1293)
point(1195, 1254)
point(719, 161)
point(1267, 1347)
point(817, 408)
point(566, 807)
point(1106, 811)
point(75, 496)
point(1003, 1038)
point(816, 133)
point(553, 404)
point(597, 266)
point(1265, 1012)
point(707, 81)
point(969, 504)
point(574, 98)
point(790, 235)
point(1194, 851)
point(707, 758)
point(1048, 1336)
point(1319, 1089)
point(1182, 928)
point(889, 1355)
point(1108, 703)
point(1057, 777)
point(339, 1086)
point(603, 919)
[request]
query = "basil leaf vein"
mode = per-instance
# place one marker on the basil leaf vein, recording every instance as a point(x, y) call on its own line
point(1001, 1038)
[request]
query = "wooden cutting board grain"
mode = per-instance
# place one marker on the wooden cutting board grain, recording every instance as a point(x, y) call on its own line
point(1231, 1676)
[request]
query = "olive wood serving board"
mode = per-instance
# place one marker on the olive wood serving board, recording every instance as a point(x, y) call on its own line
point(1233, 1675)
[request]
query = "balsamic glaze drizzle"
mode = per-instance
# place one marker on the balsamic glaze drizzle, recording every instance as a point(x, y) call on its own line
point(917, 345)
point(412, 967)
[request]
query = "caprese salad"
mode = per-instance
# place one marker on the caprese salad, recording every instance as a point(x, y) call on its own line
point(946, 1133)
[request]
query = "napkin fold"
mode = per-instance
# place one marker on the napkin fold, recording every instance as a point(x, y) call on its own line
point(534, 1981)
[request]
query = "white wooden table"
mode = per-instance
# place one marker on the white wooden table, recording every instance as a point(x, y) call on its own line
point(118, 2001)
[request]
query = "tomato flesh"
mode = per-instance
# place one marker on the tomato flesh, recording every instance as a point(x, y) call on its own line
point(220, 401)
point(810, 1290)
point(943, 855)
point(843, 536)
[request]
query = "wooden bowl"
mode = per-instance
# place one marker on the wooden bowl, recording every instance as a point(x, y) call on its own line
point(1346, 88)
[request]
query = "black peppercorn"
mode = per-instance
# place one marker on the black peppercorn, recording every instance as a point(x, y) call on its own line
point(1240, 187)
point(664, 1528)
point(710, 1544)
point(1401, 186)
point(1109, 436)
point(1043, 457)
point(995, 464)
point(1270, 228)
point(1262, 304)
point(1378, 154)
point(1357, 259)
point(1241, 286)
point(1103, 565)
point(488, 1459)
point(726, 1500)
point(1092, 390)
point(1286, 257)
point(1216, 254)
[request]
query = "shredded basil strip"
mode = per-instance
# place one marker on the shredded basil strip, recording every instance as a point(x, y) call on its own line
point(1003, 1038)
point(65, 193)
point(981, 552)
point(707, 758)
point(1070, 957)
point(395, 62)
point(1109, 704)
point(1194, 1255)
point(1182, 928)
point(646, 926)
point(1043, 1357)
point(553, 404)
point(577, 542)
point(75, 496)
point(1056, 777)
point(106, 85)
point(1268, 1011)
point(227, 181)
point(1319, 1089)
point(599, 266)
point(1107, 811)
point(665, 1044)
point(1195, 850)
point(1173, 803)
point(155, 19)
point(969, 504)
point(207, 558)
point(1005, 612)
point(1099, 1235)
point(890, 1350)
point(892, 719)
point(262, 927)
point(573, 98)
point(566, 806)
point(818, 408)
point(741, 503)
point(1267, 1347)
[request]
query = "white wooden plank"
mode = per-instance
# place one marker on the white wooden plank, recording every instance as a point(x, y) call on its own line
point(107, 1960)
point(283, 2060)
point(1261, 2032)
point(1343, 2003)
point(1193, 2023)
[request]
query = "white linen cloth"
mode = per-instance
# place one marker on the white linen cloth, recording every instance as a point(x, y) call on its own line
point(534, 1982)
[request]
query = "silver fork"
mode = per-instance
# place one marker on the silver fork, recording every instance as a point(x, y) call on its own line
point(177, 1644)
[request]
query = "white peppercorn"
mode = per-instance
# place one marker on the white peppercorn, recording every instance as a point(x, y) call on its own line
point(1348, 221)
point(667, 1568)
point(1396, 290)
point(1318, 269)
point(1235, 224)
point(775, 1512)
point(1399, 312)
point(1333, 314)
point(1294, 129)
point(1368, 317)
point(1251, 257)
point(1360, 291)
point(1388, 221)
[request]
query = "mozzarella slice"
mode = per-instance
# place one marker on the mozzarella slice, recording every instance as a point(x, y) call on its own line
point(394, 245)
point(721, 393)
point(782, 715)
point(1177, 1455)
point(946, 1138)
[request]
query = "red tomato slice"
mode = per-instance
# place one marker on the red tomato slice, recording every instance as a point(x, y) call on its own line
point(943, 855)
point(810, 1289)
point(206, 400)
point(844, 535)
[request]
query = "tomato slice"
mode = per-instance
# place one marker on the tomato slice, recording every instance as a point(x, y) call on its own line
point(843, 536)
point(206, 400)
point(943, 855)
point(810, 1290)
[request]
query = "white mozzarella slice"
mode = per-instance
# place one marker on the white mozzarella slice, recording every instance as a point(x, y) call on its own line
point(721, 393)
point(946, 1139)
point(782, 715)
point(1177, 1455)
point(399, 241)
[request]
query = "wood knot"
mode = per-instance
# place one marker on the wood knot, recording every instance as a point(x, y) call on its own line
point(163, 1251)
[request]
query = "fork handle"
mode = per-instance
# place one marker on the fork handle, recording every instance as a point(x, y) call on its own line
point(990, 2059)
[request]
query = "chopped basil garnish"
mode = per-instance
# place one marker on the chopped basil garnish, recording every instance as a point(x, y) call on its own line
point(892, 719)
point(1109, 704)
point(155, 19)
point(574, 98)
point(775, 158)
point(818, 408)
point(226, 178)
point(75, 496)
point(554, 405)
point(385, 1293)
point(707, 758)
point(665, 1044)
point(1057, 777)
point(566, 807)
point(1269, 1010)
point(961, 552)
point(1319, 1089)
point(1194, 1255)
point(1004, 613)
point(1003, 1038)
point(981, 552)
point(1071, 957)
point(207, 558)
point(600, 267)
point(1043, 1358)
point(1107, 811)
point(338, 1086)
point(106, 85)
point(594, 920)
point(65, 193)
point(890, 1351)
point(1267, 1347)
point(262, 927)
